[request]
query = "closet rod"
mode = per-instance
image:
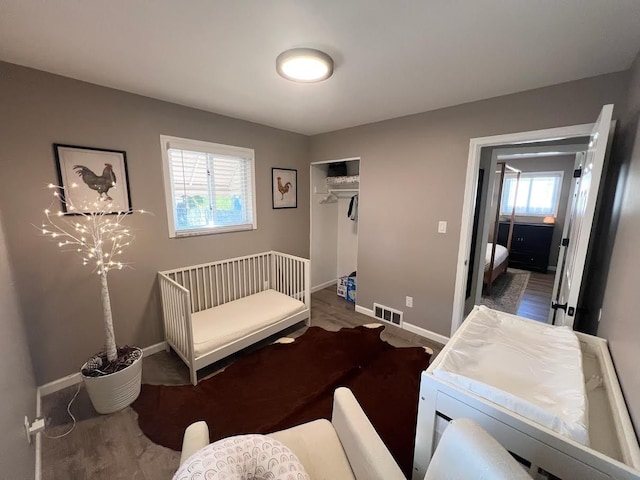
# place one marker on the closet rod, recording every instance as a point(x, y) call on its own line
point(348, 190)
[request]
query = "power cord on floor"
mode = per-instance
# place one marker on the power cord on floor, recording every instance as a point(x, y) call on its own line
point(70, 414)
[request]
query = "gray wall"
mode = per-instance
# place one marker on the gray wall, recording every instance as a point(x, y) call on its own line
point(16, 377)
point(60, 299)
point(620, 323)
point(561, 163)
point(412, 175)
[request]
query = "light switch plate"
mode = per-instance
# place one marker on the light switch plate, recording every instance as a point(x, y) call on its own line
point(442, 226)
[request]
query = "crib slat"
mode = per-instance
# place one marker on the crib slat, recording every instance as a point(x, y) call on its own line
point(252, 273)
point(246, 280)
point(199, 284)
point(210, 289)
point(215, 271)
point(226, 290)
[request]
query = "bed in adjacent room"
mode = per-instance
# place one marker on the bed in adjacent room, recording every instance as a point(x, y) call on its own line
point(496, 255)
point(492, 270)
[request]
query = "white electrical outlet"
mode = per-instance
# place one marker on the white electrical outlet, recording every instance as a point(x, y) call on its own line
point(442, 226)
point(409, 302)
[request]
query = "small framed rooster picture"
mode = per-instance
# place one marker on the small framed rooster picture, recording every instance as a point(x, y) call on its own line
point(285, 187)
point(92, 176)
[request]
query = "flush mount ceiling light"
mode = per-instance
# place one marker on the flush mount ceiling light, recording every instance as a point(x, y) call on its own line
point(304, 65)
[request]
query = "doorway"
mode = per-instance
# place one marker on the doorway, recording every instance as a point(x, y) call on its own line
point(573, 254)
point(523, 219)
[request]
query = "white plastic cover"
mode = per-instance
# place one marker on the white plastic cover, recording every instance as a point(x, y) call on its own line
point(531, 368)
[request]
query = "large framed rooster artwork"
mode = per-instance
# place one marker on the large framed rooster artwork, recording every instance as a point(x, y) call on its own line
point(285, 187)
point(93, 178)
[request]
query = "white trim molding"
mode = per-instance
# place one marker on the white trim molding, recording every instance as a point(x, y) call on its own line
point(59, 384)
point(473, 164)
point(423, 332)
point(366, 311)
point(155, 348)
point(324, 285)
point(349, 159)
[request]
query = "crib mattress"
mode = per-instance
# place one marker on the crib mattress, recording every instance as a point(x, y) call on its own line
point(531, 368)
point(501, 255)
point(219, 326)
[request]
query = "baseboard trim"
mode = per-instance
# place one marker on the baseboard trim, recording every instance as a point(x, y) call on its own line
point(366, 311)
point(155, 348)
point(75, 378)
point(324, 285)
point(59, 384)
point(423, 332)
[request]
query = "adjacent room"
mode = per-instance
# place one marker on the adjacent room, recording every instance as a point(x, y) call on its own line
point(368, 239)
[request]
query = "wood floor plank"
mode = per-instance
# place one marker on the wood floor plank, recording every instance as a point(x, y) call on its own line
point(536, 300)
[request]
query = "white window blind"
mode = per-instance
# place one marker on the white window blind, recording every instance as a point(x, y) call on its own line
point(211, 187)
point(538, 193)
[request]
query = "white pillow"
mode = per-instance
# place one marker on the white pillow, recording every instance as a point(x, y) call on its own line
point(243, 457)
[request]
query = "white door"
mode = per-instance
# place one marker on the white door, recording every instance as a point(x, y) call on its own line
point(573, 250)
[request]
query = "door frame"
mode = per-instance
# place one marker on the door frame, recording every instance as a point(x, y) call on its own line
point(473, 164)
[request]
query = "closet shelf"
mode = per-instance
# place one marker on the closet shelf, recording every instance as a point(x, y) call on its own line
point(346, 180)
point(347, 190)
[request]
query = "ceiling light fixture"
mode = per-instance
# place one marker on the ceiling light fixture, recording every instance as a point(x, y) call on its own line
point(304, 65)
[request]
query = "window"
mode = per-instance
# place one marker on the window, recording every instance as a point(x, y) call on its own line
point(538, 193)
point(210, 188)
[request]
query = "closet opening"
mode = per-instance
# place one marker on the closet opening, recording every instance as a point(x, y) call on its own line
point(335, 200)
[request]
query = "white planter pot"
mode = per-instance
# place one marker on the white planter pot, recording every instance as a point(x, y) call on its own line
point(116, 391)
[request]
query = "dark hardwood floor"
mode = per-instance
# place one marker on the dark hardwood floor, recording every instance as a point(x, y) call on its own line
point(536, 301)
point(113, 447)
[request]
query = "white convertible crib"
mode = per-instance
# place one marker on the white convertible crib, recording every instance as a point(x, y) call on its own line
point(215, 309)
point(548, 394)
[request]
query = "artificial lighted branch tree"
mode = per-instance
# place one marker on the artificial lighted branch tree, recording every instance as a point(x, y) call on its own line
point(98, 236)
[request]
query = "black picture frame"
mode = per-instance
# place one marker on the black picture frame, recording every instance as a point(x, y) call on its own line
point(87, 168)
point(284, 188)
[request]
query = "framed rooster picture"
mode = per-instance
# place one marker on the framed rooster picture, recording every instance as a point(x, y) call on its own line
point(285, 187)
point(89, 175)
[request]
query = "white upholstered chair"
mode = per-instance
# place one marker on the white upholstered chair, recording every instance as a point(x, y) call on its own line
point(466, 451)
point(346, 448)
point(349, 447)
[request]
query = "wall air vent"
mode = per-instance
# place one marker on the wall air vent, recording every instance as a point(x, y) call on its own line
point(387, 314)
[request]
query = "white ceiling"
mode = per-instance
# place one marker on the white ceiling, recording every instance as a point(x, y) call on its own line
point(393, 57)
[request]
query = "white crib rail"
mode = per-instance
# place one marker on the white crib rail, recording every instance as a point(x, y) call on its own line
point(177, 317)
point(199, 287)
point(292, 276)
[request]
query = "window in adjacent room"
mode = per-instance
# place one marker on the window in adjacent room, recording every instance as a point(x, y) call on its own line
point(538, 193)
point(210, 188)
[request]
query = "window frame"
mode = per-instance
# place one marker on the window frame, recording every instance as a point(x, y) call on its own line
point(204, 147)
point(559, 174)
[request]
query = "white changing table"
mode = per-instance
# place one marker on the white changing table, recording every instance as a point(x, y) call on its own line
point(613, 450)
